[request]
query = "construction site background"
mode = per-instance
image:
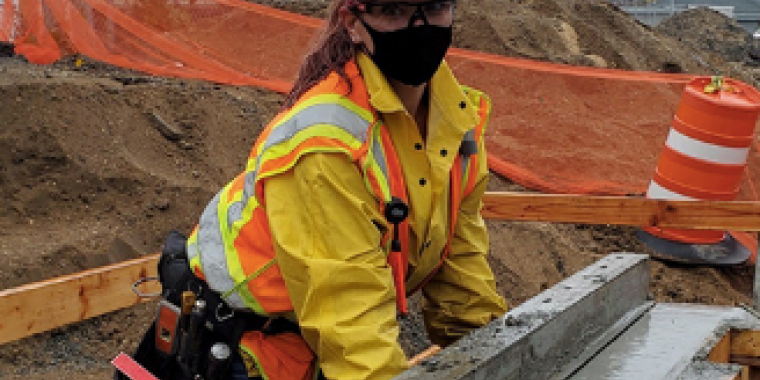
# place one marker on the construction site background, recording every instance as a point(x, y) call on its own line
point(100, 162)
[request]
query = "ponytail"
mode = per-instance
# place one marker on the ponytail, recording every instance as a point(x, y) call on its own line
point(330, 52)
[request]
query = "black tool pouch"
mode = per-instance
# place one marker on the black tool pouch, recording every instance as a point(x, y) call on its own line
point(184, 355)
point(174, 274)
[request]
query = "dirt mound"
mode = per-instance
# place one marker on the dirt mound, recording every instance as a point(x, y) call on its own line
point(99, 168)
point(590, 33)
point(99, 163)
point(579, 32)
point(710, 31)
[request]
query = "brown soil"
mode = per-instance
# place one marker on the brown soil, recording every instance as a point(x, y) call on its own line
point(91, 177)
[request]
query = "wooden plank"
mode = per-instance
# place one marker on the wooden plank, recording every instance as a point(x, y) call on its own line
point(745, 343)
point(749, 361)
point(744, 374)
point(42, 306)
point(430, 351)
point(710, 215)
point(721, 353)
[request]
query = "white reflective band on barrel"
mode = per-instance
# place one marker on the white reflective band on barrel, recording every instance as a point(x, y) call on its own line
point(658, 192)
point(706, 151)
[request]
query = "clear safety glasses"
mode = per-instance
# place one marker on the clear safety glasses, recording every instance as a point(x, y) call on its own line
point(393, 15)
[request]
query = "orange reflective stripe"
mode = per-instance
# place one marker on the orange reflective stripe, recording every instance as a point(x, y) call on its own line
point(361, 152)
point(397, 260)
point(198, 273)
point(288, 160)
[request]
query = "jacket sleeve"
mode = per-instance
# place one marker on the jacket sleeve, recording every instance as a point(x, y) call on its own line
point(462, 295)
point(323, 223)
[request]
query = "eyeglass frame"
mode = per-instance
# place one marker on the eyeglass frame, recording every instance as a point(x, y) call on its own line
point(356, 7)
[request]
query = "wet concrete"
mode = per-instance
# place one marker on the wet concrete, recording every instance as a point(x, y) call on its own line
point(661, 344)
point(543, 335)
point(597, 324)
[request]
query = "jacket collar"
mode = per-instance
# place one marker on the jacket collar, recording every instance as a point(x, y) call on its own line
point(446, 95)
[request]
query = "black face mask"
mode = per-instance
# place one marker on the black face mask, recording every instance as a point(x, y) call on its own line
point(410, 55)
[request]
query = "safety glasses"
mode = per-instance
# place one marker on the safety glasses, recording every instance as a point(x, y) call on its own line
point(392, 15)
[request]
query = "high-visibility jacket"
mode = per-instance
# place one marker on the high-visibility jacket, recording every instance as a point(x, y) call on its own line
point(232, 248)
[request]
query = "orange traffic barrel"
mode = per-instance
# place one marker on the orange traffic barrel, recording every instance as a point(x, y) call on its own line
point(704, 158)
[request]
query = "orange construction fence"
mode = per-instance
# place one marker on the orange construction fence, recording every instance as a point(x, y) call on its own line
point(555, 128)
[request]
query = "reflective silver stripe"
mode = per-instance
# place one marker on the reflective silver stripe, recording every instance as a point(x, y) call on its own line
point(333, 114)
point(235, 209)
point(213, 257)
point(235, 212)
point(378, 155)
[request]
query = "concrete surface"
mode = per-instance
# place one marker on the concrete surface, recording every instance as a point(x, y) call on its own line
point(597, 324)
point(663, 343)
point(543, 335)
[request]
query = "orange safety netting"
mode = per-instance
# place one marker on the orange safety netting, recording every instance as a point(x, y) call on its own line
point(556, 128)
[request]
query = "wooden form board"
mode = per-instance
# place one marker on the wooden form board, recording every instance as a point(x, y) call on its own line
point(43, 306)
point(711, 215)
point(739, 347)
point(430, 351)
point(49, 304)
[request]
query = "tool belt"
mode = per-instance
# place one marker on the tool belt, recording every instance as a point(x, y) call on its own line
point(195, 335)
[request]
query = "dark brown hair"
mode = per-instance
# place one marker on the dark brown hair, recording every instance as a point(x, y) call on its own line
point(331, 50)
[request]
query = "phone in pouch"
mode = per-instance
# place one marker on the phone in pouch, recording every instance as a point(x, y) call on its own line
point(167, 328)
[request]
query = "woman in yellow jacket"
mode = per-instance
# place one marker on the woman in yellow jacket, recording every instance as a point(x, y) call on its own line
point(367, 187)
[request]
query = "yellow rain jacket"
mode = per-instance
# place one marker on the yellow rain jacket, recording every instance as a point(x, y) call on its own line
point(321, 218)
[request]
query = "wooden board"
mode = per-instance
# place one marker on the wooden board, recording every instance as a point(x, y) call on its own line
point(43, 306)
point(745, 343)
point(430, 351)
point(745, 350)
point(711, 215)
point(744, 375)
point(721, 353)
